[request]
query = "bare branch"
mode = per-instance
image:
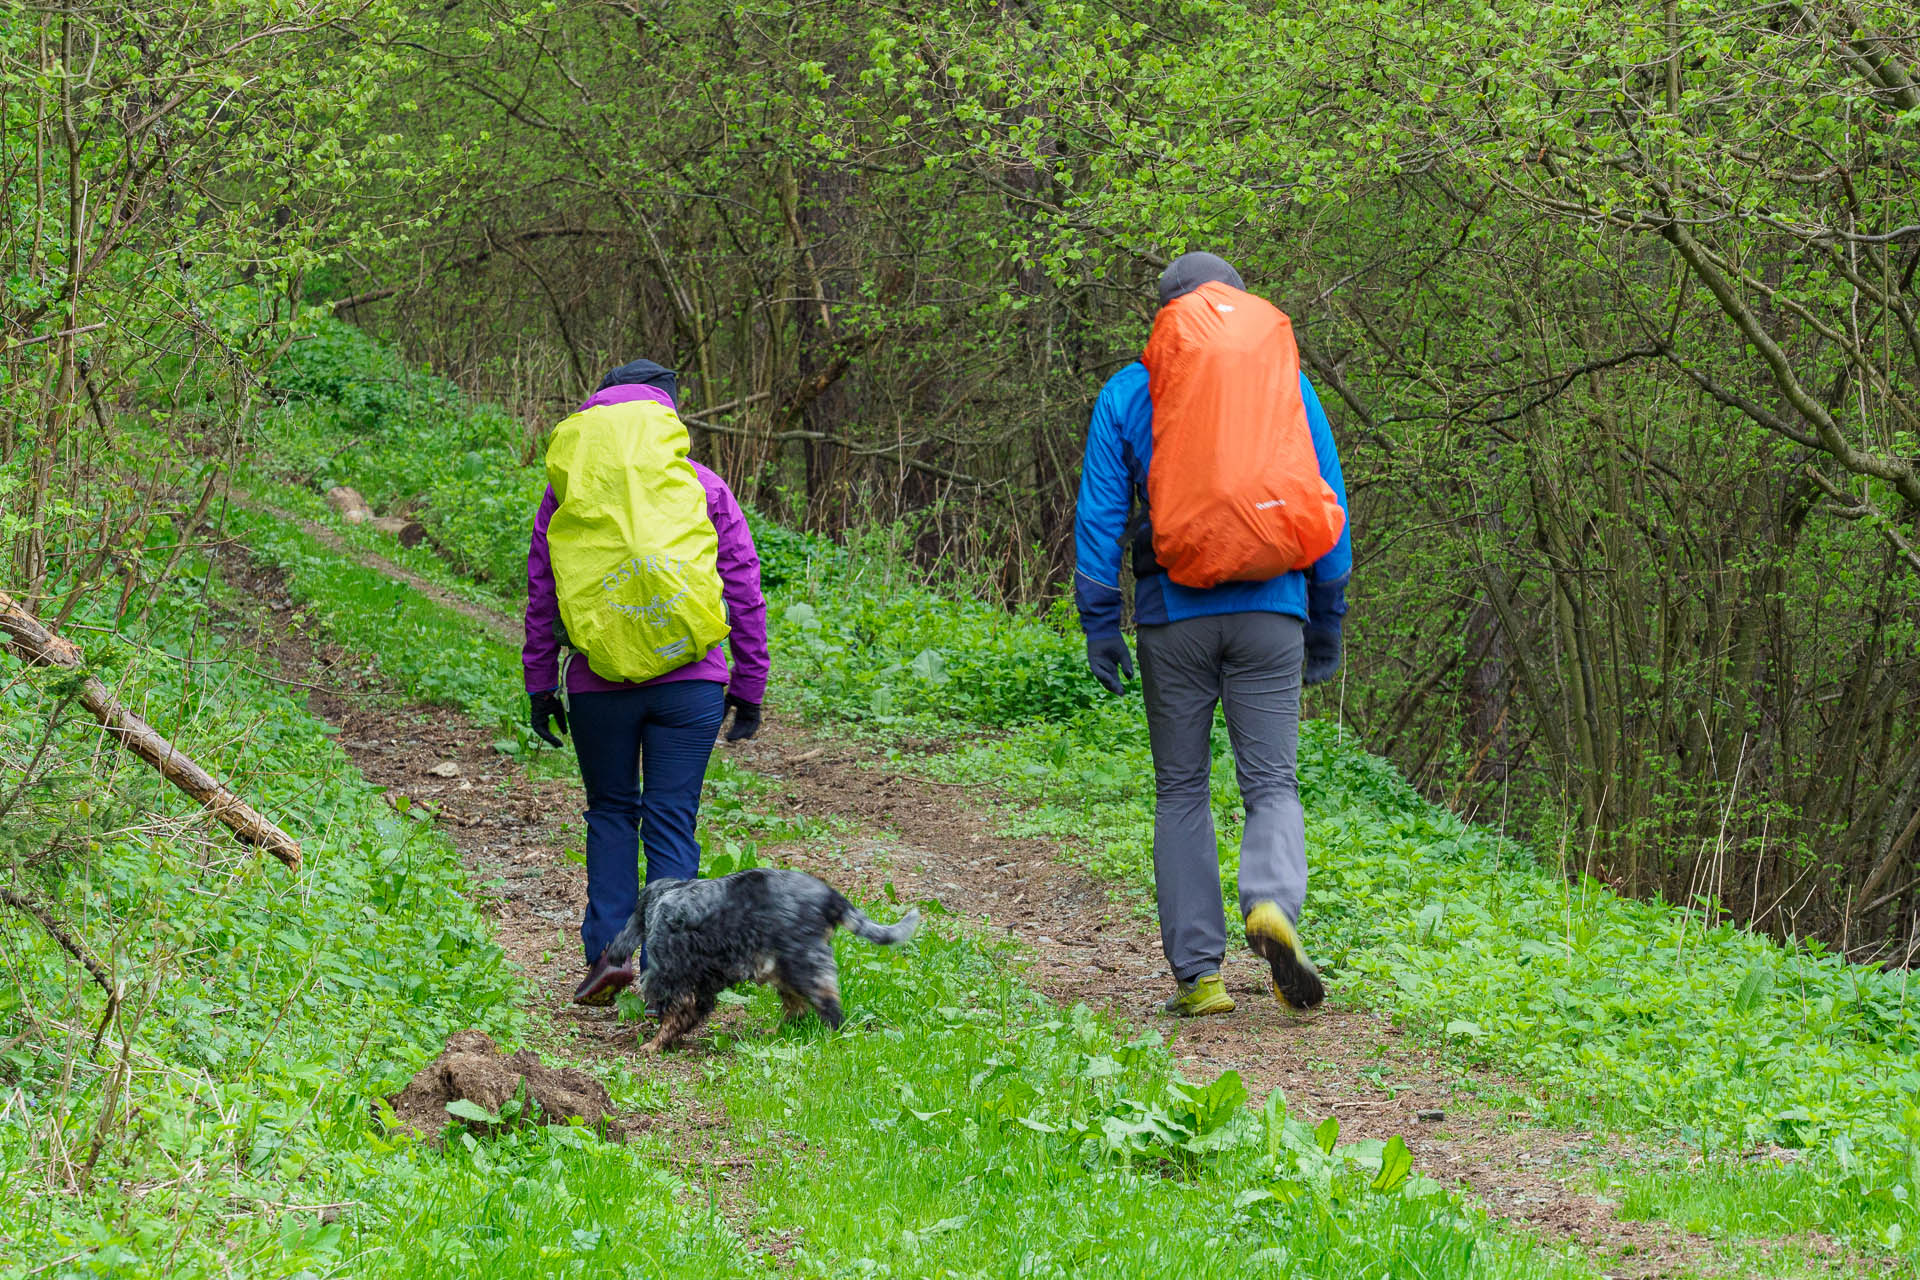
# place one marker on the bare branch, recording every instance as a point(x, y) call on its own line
point(20, 902)
point(1852, 507)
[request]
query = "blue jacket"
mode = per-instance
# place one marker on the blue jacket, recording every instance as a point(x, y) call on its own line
point(1113, 483)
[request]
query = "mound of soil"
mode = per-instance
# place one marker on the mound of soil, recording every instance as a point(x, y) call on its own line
point(473, 1068)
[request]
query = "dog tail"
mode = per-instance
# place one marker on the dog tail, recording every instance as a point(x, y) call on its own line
point(626, 942)
point(858, 922)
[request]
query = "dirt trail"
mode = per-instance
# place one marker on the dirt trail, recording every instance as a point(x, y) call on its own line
point(1089, 947)
point(513, 832)
point(497, 625)
point(931, 842)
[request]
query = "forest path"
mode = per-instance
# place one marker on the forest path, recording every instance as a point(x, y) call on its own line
point(513, 832)
point(496, 624)
point(1088, 943)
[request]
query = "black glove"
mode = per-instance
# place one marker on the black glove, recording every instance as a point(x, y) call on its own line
point(746, 718)
point(547, 706)
point(1323, 652)
point(1326, 610)
point(1107, 657)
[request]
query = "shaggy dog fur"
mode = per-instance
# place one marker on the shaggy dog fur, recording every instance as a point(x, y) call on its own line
point(762, 925)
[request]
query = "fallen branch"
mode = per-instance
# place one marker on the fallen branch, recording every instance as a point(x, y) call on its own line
point(896, 451)
point(35, 644)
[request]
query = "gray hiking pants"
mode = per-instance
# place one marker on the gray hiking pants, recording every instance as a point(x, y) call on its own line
point(1251, 663)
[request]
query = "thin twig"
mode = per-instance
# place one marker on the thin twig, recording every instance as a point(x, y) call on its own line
point(49, 337)
point(20, 903)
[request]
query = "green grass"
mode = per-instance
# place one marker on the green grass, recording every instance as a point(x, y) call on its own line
point(265, 1016)
point(962, 1124)
point(965, 1126)
point(1634, 1016)
point(421, 560)
point(1775, 1199)
point(538, 1202)
point(430, 651)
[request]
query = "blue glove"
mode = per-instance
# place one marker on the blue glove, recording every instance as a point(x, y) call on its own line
point(1326, 609)
point(1107, 657)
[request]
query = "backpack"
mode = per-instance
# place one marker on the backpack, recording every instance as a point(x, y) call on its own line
point(1234, 487)
point(636, 561)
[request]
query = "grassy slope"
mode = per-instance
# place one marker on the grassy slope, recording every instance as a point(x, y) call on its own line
point(959, 1131)
point(1639, 1015)
point(265, 1018)
point(966, 1127)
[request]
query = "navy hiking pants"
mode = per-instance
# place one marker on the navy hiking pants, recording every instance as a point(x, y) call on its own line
point(643, 754)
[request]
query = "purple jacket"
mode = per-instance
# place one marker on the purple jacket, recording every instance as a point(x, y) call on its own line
point(739, 586)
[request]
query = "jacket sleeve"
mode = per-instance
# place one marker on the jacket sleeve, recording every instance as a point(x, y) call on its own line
point(1100, 519)
point(1327, 585)
point(740, 588)
point(540, 652)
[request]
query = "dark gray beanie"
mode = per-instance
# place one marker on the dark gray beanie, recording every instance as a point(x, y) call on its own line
point(643, 373)
point(1191, 270)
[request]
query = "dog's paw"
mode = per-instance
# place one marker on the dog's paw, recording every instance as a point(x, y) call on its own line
point(602, 981)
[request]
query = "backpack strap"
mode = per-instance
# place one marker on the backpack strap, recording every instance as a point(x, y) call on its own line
point(567, 653)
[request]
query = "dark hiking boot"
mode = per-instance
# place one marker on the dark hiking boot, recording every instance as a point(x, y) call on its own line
point(602, 983)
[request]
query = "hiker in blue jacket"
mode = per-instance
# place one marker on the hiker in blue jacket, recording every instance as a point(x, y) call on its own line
point(1247, 645)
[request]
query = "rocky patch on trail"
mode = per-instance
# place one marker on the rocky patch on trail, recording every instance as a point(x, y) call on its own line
point(473, 1070)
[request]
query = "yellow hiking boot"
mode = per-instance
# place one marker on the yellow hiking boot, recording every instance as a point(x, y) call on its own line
point(1273, 939)
point(1204, 995)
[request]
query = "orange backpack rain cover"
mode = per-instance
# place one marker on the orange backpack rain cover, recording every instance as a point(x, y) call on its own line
point(1234, 487)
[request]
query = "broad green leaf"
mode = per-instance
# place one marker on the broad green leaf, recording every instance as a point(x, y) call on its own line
point(1757, 985)
point(467, 1109)
point(1396, 1162)
point(1327, 1134)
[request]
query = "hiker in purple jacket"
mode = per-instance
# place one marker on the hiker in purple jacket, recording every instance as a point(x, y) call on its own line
point(643, 748)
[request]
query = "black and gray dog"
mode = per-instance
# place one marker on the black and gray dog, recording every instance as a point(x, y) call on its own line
point(703, 936)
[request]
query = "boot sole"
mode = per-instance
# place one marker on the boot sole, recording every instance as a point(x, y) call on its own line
point(1294, 980)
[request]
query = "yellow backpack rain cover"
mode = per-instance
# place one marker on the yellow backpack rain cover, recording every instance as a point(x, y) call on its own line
point(636, 562)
